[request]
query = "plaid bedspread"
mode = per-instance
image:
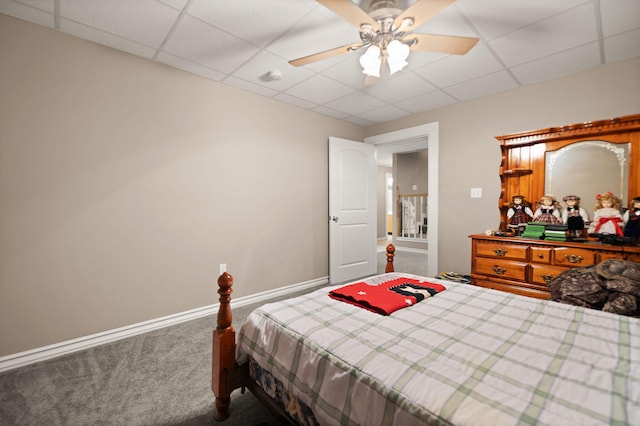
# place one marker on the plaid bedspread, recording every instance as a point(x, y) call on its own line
point(469, 356)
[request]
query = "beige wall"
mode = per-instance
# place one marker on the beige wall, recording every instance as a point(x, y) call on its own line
point(124, 184)
point(411, 169)
point(470, 155)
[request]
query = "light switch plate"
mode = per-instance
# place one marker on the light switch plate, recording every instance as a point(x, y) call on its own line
point(476, 192)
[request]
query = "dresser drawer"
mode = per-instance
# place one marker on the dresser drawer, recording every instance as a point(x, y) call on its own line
point(542, 274)
point(631, 257)
point(501, 268)
point(541, 254)
point(506, 251)
point(606, 255)
point(573, 257)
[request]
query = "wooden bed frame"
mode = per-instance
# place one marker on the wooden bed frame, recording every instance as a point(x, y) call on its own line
point(226, 374)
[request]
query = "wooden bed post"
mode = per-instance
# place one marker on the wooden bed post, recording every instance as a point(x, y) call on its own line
point(224, 348)
point(390, 255)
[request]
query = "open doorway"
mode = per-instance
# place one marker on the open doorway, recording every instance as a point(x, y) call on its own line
point(411, 199)
point(412, 139)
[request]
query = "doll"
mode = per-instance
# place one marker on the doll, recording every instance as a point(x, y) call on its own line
point(574, 216)
point(519, 214)
point(548, 211)
point(632, 220)
point(607, 218)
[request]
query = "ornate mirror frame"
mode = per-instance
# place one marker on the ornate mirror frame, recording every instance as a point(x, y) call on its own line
point(523, 166)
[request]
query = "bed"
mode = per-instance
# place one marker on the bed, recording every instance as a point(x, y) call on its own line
point(465, 356)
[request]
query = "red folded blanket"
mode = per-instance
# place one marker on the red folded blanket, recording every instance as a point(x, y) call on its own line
point(387, 297)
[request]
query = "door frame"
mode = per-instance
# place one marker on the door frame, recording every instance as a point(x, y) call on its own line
point(431, 132)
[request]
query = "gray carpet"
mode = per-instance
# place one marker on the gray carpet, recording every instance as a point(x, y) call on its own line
point(158, 378)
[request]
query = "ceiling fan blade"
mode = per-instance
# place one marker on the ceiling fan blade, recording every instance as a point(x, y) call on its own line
point(421, 11)
point(370, 80)
point(324, 55)
point(350, 12)
point(441, 43)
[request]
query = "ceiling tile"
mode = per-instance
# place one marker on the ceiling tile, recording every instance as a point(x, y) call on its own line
point(248, 21)
point(176, 4)
point(201, 43)
point(42, 15)
point(295, 101)
point(317, 32)
point(622, 46)
point(250, 87)
point(189, 66)
point(387, 112)
point(348, 71)
point(330, 112)
point(418, 59)
point(399, 86)
point(142, 21)
point(620, 16)
point(493, 18)
point(44, 5)
point(457, 68)
point(101, 37)
point(570, 29)
point(448, 22)
point(356, 103)
point(431, 100)
point(256, 70)
point(483, 86)
point(320, 89)
point(358, 121)
point(567, 62)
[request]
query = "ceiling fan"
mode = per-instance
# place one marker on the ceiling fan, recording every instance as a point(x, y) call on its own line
point(386, 33)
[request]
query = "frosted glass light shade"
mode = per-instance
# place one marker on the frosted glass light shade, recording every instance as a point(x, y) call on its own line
point(398, 53)
point(371, 61)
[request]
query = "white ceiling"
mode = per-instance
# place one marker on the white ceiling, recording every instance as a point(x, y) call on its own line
point(237, 42)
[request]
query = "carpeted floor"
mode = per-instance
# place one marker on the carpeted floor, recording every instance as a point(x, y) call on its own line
point(158, 378)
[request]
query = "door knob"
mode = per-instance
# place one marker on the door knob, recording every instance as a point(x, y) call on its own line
point(334, 218)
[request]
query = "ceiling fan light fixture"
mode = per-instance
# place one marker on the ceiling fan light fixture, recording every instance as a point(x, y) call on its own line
point(398, 53)
point(406, 22)
point(371, 61)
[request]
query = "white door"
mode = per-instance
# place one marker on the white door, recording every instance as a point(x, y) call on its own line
point(352, 210)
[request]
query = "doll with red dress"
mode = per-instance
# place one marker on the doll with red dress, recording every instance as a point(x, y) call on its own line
point(607, 218)
point(519, 214)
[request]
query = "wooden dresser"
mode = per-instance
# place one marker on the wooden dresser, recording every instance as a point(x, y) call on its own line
point(524, 266)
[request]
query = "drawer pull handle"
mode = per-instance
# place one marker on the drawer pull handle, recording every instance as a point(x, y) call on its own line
point(498, 270)
point(573, 258)
point(547, 277)
point(500, 252)
point(540, 256)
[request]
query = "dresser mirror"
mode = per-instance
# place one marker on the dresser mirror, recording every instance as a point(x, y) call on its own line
point(582, 159)
point(587, 169)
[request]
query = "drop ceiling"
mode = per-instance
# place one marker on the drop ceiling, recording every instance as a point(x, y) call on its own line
point(239, 42)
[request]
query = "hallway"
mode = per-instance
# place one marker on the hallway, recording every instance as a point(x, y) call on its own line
point(405, 260)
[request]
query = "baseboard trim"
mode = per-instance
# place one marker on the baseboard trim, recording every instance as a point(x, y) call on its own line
point(21, 359)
